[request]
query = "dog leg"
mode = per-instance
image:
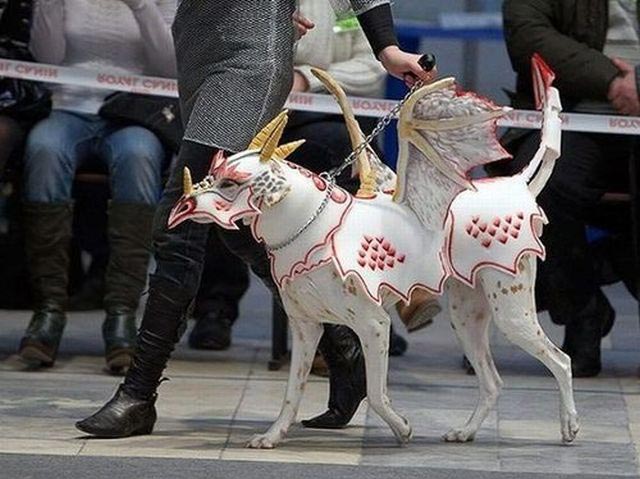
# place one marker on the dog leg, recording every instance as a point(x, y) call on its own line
point(470, 318)
point(513, 303)
point(374, 336)
point(305, 338)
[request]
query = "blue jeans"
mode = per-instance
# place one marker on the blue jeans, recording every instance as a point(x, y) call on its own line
point(64, 141)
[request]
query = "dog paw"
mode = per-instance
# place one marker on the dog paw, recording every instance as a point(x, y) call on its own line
point(570, 426)
point(403, 433)
point(459, 435)
point(262, 441)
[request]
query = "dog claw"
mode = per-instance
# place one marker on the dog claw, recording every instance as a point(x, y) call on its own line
point(570, 427)
point(262, 441)
point(404, 434)
point(459, 435)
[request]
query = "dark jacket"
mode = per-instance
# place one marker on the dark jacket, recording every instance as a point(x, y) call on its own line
point(570, 35)
point(15, 20)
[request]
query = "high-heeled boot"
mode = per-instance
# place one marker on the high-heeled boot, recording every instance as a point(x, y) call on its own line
point(48, 235)
point(347, 379)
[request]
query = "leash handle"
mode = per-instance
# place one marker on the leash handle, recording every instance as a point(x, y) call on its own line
point(427, 62)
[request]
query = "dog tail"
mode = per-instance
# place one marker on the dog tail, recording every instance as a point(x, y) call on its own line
point(547, 97)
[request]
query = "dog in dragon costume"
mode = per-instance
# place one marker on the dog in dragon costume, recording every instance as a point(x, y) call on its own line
point(348, 260)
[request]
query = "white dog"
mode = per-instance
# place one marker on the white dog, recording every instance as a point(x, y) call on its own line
point(347, 260)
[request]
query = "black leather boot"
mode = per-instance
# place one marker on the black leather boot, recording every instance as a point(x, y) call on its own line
point(131, 411)
point(212, 331)
point(123, 416)
point(47, 237)
point(119, 334)
point(39, 346)
point(583, 335)
point(347, 380)
point(130, 230)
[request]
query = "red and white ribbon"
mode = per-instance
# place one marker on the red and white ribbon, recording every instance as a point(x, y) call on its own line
point(371, 107)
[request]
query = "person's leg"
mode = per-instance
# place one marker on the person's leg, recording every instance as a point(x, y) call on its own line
point(225, 279)
point(179, 254)
point(11, 136)
point(135, 158)
point(54, 148)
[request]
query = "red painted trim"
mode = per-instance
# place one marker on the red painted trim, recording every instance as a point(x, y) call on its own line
point(513, 270)
point(306, 269)
point(344, 274)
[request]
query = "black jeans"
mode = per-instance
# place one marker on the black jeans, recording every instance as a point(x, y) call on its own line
point(225, 278)
point(589, 166)
point(180, 252)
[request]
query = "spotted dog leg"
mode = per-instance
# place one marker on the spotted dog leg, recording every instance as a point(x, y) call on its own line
point(305, 338)
point(470, 317)
point(372, 329)
point(514, 311)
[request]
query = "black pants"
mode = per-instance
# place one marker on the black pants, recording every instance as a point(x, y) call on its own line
point(226, 278)
point(180, 252)
point(590, 165)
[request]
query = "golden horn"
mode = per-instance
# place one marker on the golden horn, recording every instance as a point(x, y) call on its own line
point(261, 138)
point(283, 151)
point(268, 150)
point(187, 183)
point(363, 165)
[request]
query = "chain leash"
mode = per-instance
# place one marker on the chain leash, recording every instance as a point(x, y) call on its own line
point(384, 122)
point(331, 175)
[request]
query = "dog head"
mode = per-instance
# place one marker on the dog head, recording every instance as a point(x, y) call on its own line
point(237, 187)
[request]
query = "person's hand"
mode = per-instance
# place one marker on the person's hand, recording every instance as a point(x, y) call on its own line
point(405, 66)
point(300, 83)
point(623, 90)
point(134, 4)
point(301, 24)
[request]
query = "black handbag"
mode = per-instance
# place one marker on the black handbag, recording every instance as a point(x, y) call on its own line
point(158, 114)
point(22, 99)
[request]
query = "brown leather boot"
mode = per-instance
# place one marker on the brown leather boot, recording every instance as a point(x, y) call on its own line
point(420, 311)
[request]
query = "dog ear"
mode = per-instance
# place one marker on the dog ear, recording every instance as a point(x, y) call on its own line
point(272, 185)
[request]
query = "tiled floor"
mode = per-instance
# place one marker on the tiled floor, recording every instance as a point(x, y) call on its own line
point(215, 401)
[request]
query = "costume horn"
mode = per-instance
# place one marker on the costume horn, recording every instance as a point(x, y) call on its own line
point(261, 138)
point(269, 149)
point(187, 183)
point(283, 151)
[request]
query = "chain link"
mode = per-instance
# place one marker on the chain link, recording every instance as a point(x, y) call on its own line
point(330, 176)
point(384, 122)
point(304, 227)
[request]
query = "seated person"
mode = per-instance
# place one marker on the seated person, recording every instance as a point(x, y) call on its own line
point(594, 49)
point(132, 37)
point(15, 20)
point(341, 49)
point(16, 119)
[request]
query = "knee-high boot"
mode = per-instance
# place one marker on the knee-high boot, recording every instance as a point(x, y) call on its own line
point(130, 226)
point(339, 345)
point(48, 235)
point(342, 351)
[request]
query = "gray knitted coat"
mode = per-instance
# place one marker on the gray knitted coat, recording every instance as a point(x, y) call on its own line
point(235, 65)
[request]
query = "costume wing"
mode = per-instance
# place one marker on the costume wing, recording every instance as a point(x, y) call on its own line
point(443, 134)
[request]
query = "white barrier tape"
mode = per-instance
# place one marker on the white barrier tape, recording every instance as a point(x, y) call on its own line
point(370, 107)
